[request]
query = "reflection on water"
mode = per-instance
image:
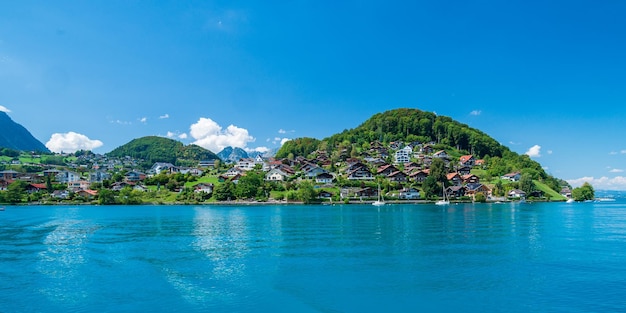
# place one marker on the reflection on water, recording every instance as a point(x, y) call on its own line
point(472, 258)
point(64, 255)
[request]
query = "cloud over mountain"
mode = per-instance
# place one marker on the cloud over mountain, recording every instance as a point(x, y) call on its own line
point(210, 135)
point(71, 142)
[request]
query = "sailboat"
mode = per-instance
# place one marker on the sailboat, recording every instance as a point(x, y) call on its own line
point(379, 201)
point(444, 200)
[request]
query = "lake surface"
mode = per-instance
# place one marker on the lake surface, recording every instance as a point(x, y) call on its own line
point(539, 257)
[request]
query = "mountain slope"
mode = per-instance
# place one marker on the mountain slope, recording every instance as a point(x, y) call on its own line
point(230, 154)
point(412, 125)
point(153, 149)
point(15, 136)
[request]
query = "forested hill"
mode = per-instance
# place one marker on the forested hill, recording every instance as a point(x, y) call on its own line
point(14, 136)
point(416, 126)
point(153, 149)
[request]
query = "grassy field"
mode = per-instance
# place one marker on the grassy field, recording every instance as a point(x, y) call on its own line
point(555, 196)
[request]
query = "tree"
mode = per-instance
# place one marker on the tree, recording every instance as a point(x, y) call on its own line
point(584, 192)
point(16, 191)
point(430, 187)
point(106, 196)
point(224, 191)
point(307, 192)
point(438, 170)
point(526, 183)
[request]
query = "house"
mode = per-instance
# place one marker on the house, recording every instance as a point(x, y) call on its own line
point(566, 192)
point(419, 176)
point(403, 155)
point(366, 192)
point(65, 177)
point(204, 187)
point(119, 186)
point(134, 176)
point(470, 179)
point(397, 176)
point(426, 149)
point(516, 193)
point(409, 194)
point(440, 154)
point(30, 188)
point(473, 189)
point(325, 194)
point(314, 171)
point(60, 194)
point(324, 178)
point(233, 171)
point(359, 171)
point(464, 170)
point(515, 176)
point(99, 176)
point(455, 178)
point(78, 185)
point(246, 164)
point(467, 160)
point(276, 174)
point(386, 170)
point(87, 194)
point(163, 167)
point(207, 163)
point(479, 162)
point(456, 191)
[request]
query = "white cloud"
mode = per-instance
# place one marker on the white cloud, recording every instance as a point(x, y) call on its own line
point(258, 149)
point(71, 142)
point(601, 183)
point(170, 135)
point(164, 116)
point(623, 152)
point(182, 136)
point(208, 134)
point(143, 119)
point(282, 142)
point(4, 109)
point(514, 143)
point(616, 170)
point(282, 131)
point(476, 112)
point(121, 122)
point(549, 151)
point(534, 151)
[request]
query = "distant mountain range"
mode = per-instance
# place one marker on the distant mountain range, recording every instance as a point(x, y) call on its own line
point(15, 136)
point(231, 155)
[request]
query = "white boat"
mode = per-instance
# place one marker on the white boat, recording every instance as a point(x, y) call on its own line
point(570, 200)
point(379, 201)
point(445, 200)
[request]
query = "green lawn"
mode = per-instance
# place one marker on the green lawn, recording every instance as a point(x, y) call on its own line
point(554, 195)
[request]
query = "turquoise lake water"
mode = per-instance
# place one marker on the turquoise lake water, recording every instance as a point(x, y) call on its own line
point(539, 257)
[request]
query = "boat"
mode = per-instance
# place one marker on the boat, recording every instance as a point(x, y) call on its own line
point(570, 200)
point(379, 201)
point(445, 200)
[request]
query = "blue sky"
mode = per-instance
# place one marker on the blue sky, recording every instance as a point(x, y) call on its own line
point(546, 78)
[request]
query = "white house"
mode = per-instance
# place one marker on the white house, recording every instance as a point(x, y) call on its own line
point(403, 155)
point(275, 175)
point(65, 177)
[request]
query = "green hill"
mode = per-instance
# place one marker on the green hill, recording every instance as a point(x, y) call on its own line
point(415, 126)
point(153, 149)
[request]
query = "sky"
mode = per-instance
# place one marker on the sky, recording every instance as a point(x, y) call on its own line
point(545, 78)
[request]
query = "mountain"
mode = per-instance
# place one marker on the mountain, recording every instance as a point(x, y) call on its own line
point(232, 155)
point(152, 149)
point(15, 136)
point(414, 126)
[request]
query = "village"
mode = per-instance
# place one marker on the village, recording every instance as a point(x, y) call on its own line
point(402, 168)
